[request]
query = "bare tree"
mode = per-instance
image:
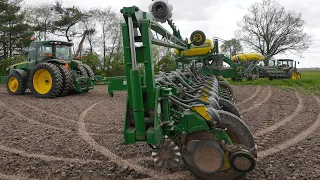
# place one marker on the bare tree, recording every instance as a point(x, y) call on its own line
point(270, 29)
point(41, 17)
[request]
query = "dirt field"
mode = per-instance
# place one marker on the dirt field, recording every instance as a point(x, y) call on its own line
point(80, 136)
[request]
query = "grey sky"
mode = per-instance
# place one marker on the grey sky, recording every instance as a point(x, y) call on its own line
point(218, 18)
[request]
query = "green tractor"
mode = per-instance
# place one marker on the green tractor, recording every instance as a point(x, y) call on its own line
point(49, 71)
point(281, 69)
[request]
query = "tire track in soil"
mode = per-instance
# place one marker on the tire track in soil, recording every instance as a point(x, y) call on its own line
point(287, 119)
point(258, 89)
point(301, 136)
point(14, 177)
point(298, 124)
point(257, 103)
point(54, 115)
point(127, 163)
point(33, 121)
point(46, 157)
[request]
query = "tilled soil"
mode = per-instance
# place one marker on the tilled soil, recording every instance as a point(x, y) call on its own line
point(80, 136)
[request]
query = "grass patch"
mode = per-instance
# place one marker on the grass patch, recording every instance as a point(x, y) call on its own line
point(310, 82)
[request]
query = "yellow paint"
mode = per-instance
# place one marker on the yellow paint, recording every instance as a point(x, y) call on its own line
point(18, 64)
point(204, 49)
point(42, 81)
point(226, 161)
point(13, 84)
point(294, 75)
point(205, 98)
point(248, 57)
point(202, 111)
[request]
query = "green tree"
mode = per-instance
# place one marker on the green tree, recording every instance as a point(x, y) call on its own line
point(14, 32)
point(166, 64)
point(6, 62)
point(270, 29)
point(92, 60)
point(231, 47)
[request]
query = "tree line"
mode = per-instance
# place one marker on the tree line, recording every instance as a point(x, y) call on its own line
point(267, 28)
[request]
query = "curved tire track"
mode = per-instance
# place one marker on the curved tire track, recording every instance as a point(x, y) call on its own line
point(295, 139)
point(54, 115)
point(46, 157)
point(285, 120)
point(115, 158)
point(258, 89)
point(33, 121)
point(256, 105)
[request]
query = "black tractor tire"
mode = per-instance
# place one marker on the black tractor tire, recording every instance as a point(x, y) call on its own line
point(89, 71)
point(66, 78)
point(228, 106)
point(56, 76)
point(198, 34)
point(235, 128)
point(22, 84)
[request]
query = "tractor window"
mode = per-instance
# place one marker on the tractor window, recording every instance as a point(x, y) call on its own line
point(63, 52)
point(45, 51)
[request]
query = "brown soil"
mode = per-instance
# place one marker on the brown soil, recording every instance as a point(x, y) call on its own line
point(74, 138)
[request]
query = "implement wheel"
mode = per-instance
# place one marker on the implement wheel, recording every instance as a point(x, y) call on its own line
point(16, 85)
point(46, 81)
point(198, 38)
point(239, 133)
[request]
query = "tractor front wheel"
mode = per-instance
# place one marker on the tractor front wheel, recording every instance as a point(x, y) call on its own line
point(16, 85)
point(46, 81)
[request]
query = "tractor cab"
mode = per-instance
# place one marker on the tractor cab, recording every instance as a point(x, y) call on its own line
point(286, 63)
point(42, 50)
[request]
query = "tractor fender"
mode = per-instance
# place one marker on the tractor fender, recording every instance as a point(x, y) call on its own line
point(21, 73)
point(58, 61)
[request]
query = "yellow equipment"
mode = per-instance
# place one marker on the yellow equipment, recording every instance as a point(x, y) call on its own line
point(248, 57)
point(204, 49)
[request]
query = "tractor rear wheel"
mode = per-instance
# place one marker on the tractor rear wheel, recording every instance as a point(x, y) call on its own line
point(66, 78)
point(238, 132)
point(89, 71)
point(46, 81)
point(16, 85)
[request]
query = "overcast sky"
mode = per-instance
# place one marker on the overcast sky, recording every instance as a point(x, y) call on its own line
point(218, 18)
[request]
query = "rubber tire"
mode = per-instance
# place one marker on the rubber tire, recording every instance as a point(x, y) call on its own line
point(228, 106)
point(227, 86)
point(202, 40)
point(56, 80)
point(299, 74)
point(164, 13)
point(22, 84)
point(66, 78)
point(242, 134)
point(89, 71)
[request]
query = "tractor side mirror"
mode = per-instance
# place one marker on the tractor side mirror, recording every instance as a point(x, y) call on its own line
point(298, 62)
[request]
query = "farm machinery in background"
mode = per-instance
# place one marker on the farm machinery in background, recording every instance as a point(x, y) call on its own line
point(240, 66)
point(49, 71)
point(184, 116)
point(280, 69)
